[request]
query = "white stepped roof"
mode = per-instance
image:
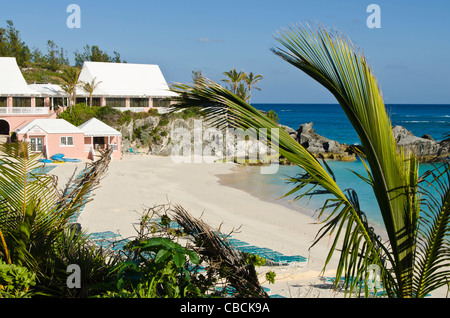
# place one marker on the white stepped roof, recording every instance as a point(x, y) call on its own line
point(12, 82)
point(50, 126)
point(125, 79)
point(96, 128)
point(48, 89)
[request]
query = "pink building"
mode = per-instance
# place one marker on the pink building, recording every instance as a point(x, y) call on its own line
point(57, 136)
point(98, 135)
point(19, 104)
point(30, 110)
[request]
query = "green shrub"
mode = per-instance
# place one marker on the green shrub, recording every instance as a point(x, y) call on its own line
point(153, 112)
point(78, 114)
point(159, 271)
point(164, 121)
point(15, 281)
point(273, 116)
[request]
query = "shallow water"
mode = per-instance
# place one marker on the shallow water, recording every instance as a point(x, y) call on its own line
point(271, 187)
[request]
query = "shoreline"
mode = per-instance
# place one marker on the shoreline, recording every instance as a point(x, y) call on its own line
point(234, 181)
point(138, 181)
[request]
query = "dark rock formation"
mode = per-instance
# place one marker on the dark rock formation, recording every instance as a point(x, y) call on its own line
point(425, 147)
point(320, 145)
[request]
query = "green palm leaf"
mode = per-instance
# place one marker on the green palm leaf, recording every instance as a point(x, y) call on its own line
point(331, 59)
point(216, 101)
point(433, 248)
point(33, 213)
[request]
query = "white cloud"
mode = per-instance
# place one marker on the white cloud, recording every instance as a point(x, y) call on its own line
point(207, 40)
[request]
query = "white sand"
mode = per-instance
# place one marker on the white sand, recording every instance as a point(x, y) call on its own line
point(136, 182)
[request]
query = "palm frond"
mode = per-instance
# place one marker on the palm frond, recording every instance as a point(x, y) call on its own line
point(216, 100)
point(32, 212)
point(333, 61)
point(433, 249)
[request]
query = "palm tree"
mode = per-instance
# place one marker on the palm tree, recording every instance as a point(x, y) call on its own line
point(70, 81)
point(35, 214)
point(416, 256)
point(90, 88)
point(250, 80)
point(234, 77)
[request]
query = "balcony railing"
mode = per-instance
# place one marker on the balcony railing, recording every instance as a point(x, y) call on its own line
point(89, 147)
point(24, 111)
point(132, 109)
point(161, 110)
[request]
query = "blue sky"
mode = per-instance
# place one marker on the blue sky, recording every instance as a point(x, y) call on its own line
point(409, 53)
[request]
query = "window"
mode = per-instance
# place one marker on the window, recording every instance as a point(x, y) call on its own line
point(82, 100)
point(138, 102)
point(95, 102)
point(66, 141)
point(39, 102)
point(159, 102)
point(115, 102)
point(37, 144)
point(21, 102)
point(58, 101)
point(3, 101)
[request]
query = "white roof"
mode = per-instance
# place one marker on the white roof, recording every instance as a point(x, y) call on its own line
point(96, 128)
point(48, 89)
point(125, 79)
point(12, 82)
point(50, 126)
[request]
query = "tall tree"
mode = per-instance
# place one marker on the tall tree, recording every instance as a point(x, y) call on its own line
point(90, 88)
point(70, 77)
point(55, 57)
point(234, 77)
point(250, 80)
point(12, 45)
point(95, 54)
point(196, 76)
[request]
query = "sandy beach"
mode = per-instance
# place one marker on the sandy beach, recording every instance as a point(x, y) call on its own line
point(140, 181)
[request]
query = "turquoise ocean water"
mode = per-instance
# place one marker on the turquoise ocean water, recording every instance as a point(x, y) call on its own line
point(330, 121)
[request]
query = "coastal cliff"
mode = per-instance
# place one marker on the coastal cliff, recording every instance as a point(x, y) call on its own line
point(155, 135)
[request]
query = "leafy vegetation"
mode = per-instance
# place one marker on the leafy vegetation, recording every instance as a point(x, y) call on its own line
point(38, 243)
point(241, 84)
point(95, 54)
point(47, 67)
point(213, 266)
point(11, 44)
point(159, 271)
point(81, 113)
point(34, 226)
point(70, 78)
point(15, 281)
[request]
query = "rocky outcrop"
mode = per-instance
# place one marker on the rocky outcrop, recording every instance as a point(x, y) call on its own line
point(157, 135)
point(320, 145)
point(425, 147)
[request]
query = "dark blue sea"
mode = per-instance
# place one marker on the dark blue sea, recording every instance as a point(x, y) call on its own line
point(330, 121)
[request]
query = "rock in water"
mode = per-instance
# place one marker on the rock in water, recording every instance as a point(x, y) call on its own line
point(421, 147)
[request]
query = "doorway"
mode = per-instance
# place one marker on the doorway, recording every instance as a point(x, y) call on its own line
point(4, 127)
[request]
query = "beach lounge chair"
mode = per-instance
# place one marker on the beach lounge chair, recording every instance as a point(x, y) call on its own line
point(130, 150)
point(237, 243)
point(57, 156)
point(71, 160)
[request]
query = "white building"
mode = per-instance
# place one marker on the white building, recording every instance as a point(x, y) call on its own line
point(126, 86)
